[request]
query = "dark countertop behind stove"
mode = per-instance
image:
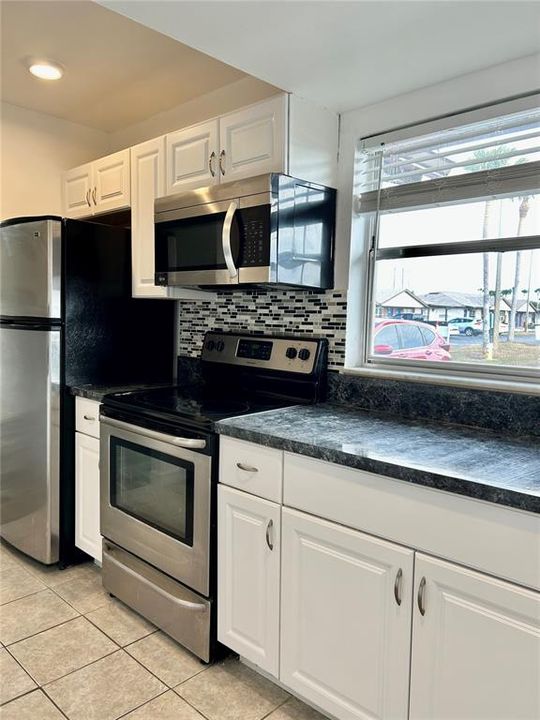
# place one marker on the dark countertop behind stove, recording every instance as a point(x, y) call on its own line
point(476, 463)
point(98, 392)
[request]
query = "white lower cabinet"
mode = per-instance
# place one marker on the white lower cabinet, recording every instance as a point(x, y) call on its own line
point(476, 649)
point(87, 534)
point(249, 576)
point(345, 618)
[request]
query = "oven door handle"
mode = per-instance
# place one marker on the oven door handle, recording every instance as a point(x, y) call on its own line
point(226, 239)
point(153, 435)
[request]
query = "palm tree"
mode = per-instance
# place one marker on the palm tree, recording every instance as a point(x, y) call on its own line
point(489, 160)
point(523, 212)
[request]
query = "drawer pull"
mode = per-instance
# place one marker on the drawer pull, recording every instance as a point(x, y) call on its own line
point(268, 531)
point(246, 468)
point(421, 596)
point(397, 586)
point(90, 418)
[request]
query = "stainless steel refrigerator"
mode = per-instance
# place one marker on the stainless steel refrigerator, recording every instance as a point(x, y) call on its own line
point(66, 318)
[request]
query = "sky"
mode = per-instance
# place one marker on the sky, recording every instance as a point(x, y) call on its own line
point(453, 223)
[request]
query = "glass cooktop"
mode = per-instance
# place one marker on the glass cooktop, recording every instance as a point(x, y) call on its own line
point(199, 406)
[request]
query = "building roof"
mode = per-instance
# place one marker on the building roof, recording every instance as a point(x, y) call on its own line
point(384, 296)
point(449, 298)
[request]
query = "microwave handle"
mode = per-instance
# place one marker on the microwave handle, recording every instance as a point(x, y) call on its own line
point(226, 239)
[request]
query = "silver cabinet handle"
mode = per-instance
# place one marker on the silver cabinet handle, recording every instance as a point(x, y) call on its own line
point(88, 198)
point(247, 468)
point(153, 434)
point(268, 531)
point(421, 596)
point(90, 418)
point(221, 159)
point(226, 239)
point(94, 195)
point(210, 166)
point(397, 586)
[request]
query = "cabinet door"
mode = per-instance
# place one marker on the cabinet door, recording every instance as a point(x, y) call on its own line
point(111, 182)
point(147, 183)
point(248, 576)
point(190, 162)
point(476, 650)
point(87, 534)
point(345, 618)
point(253, 140)
point(76, 191)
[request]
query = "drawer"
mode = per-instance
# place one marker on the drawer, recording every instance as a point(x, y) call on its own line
point(254, 468)
point(87, 416)
point(487, 537)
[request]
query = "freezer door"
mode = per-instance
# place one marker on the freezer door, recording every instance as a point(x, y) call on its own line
point(30, 439)
point(30, 269)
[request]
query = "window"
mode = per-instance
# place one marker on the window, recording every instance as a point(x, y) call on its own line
point(452, 221)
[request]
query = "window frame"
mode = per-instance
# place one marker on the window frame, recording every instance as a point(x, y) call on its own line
point(359, 358)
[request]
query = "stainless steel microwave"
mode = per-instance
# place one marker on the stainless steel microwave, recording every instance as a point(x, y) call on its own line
point(269, 229)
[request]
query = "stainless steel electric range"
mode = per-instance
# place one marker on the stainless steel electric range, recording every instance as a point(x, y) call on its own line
point(159, 451)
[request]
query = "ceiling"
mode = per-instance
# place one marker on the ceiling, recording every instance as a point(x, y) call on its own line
point(117, 72)
point(348, 54)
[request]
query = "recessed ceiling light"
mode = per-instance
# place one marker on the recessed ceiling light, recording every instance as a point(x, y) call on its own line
point(45, 70)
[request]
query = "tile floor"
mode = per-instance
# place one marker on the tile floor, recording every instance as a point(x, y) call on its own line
point(68, 650)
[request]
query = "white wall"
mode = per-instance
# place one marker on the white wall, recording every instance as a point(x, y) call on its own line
point(35, 149)
point(231, 97)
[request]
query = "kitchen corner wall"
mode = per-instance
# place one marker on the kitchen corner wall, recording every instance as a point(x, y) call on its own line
point(288, 312)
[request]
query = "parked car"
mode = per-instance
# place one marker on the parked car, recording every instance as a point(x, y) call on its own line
point(467, 326)
point(409, 339)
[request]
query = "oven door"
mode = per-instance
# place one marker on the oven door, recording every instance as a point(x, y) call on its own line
point(156, 499)
point(198, 245)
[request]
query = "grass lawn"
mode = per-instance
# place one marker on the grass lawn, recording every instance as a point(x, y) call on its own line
point(507, 353)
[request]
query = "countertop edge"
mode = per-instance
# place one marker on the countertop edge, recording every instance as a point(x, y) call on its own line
point(475, 490)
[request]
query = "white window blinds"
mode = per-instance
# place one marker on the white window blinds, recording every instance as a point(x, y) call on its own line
point(480, 160)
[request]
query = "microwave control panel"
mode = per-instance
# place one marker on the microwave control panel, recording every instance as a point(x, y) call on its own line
point(254, 250)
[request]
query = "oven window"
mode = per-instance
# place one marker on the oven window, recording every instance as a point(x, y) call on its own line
point(153, 487)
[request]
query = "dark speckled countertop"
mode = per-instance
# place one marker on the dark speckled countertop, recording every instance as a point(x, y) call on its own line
point(98, 392)
point(458, 459)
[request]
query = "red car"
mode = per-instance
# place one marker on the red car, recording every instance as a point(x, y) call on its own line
point(410, 340)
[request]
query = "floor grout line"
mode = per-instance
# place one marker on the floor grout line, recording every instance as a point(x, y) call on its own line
point(71, 672)
point(63, 622)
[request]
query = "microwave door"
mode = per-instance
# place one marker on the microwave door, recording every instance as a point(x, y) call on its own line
point(198, 245)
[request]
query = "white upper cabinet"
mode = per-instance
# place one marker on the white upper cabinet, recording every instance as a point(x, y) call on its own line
point(345, 618)
point(192, 157)
point(77, 187)
point(253, 140)
point(476, 646)
point(98, 187)
point(111, 182)
point(248, 576)
point(147, 183)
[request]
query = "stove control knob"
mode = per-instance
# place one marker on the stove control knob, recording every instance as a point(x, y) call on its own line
point(304, 354)
point(210, 345)
point(220, 346)
point(291, 353)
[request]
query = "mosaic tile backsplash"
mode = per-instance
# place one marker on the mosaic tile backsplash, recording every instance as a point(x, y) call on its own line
point(287, 312)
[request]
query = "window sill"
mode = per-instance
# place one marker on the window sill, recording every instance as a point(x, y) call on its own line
point(436, 378)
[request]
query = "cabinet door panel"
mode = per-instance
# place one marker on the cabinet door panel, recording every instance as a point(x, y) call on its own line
point(77, 186)
point(345, 641)
point(189, 157)
point(476, 650)
point(249, 576)
point(254, 139)
point(147, 183)
point(87, 533)
point(111, 182)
